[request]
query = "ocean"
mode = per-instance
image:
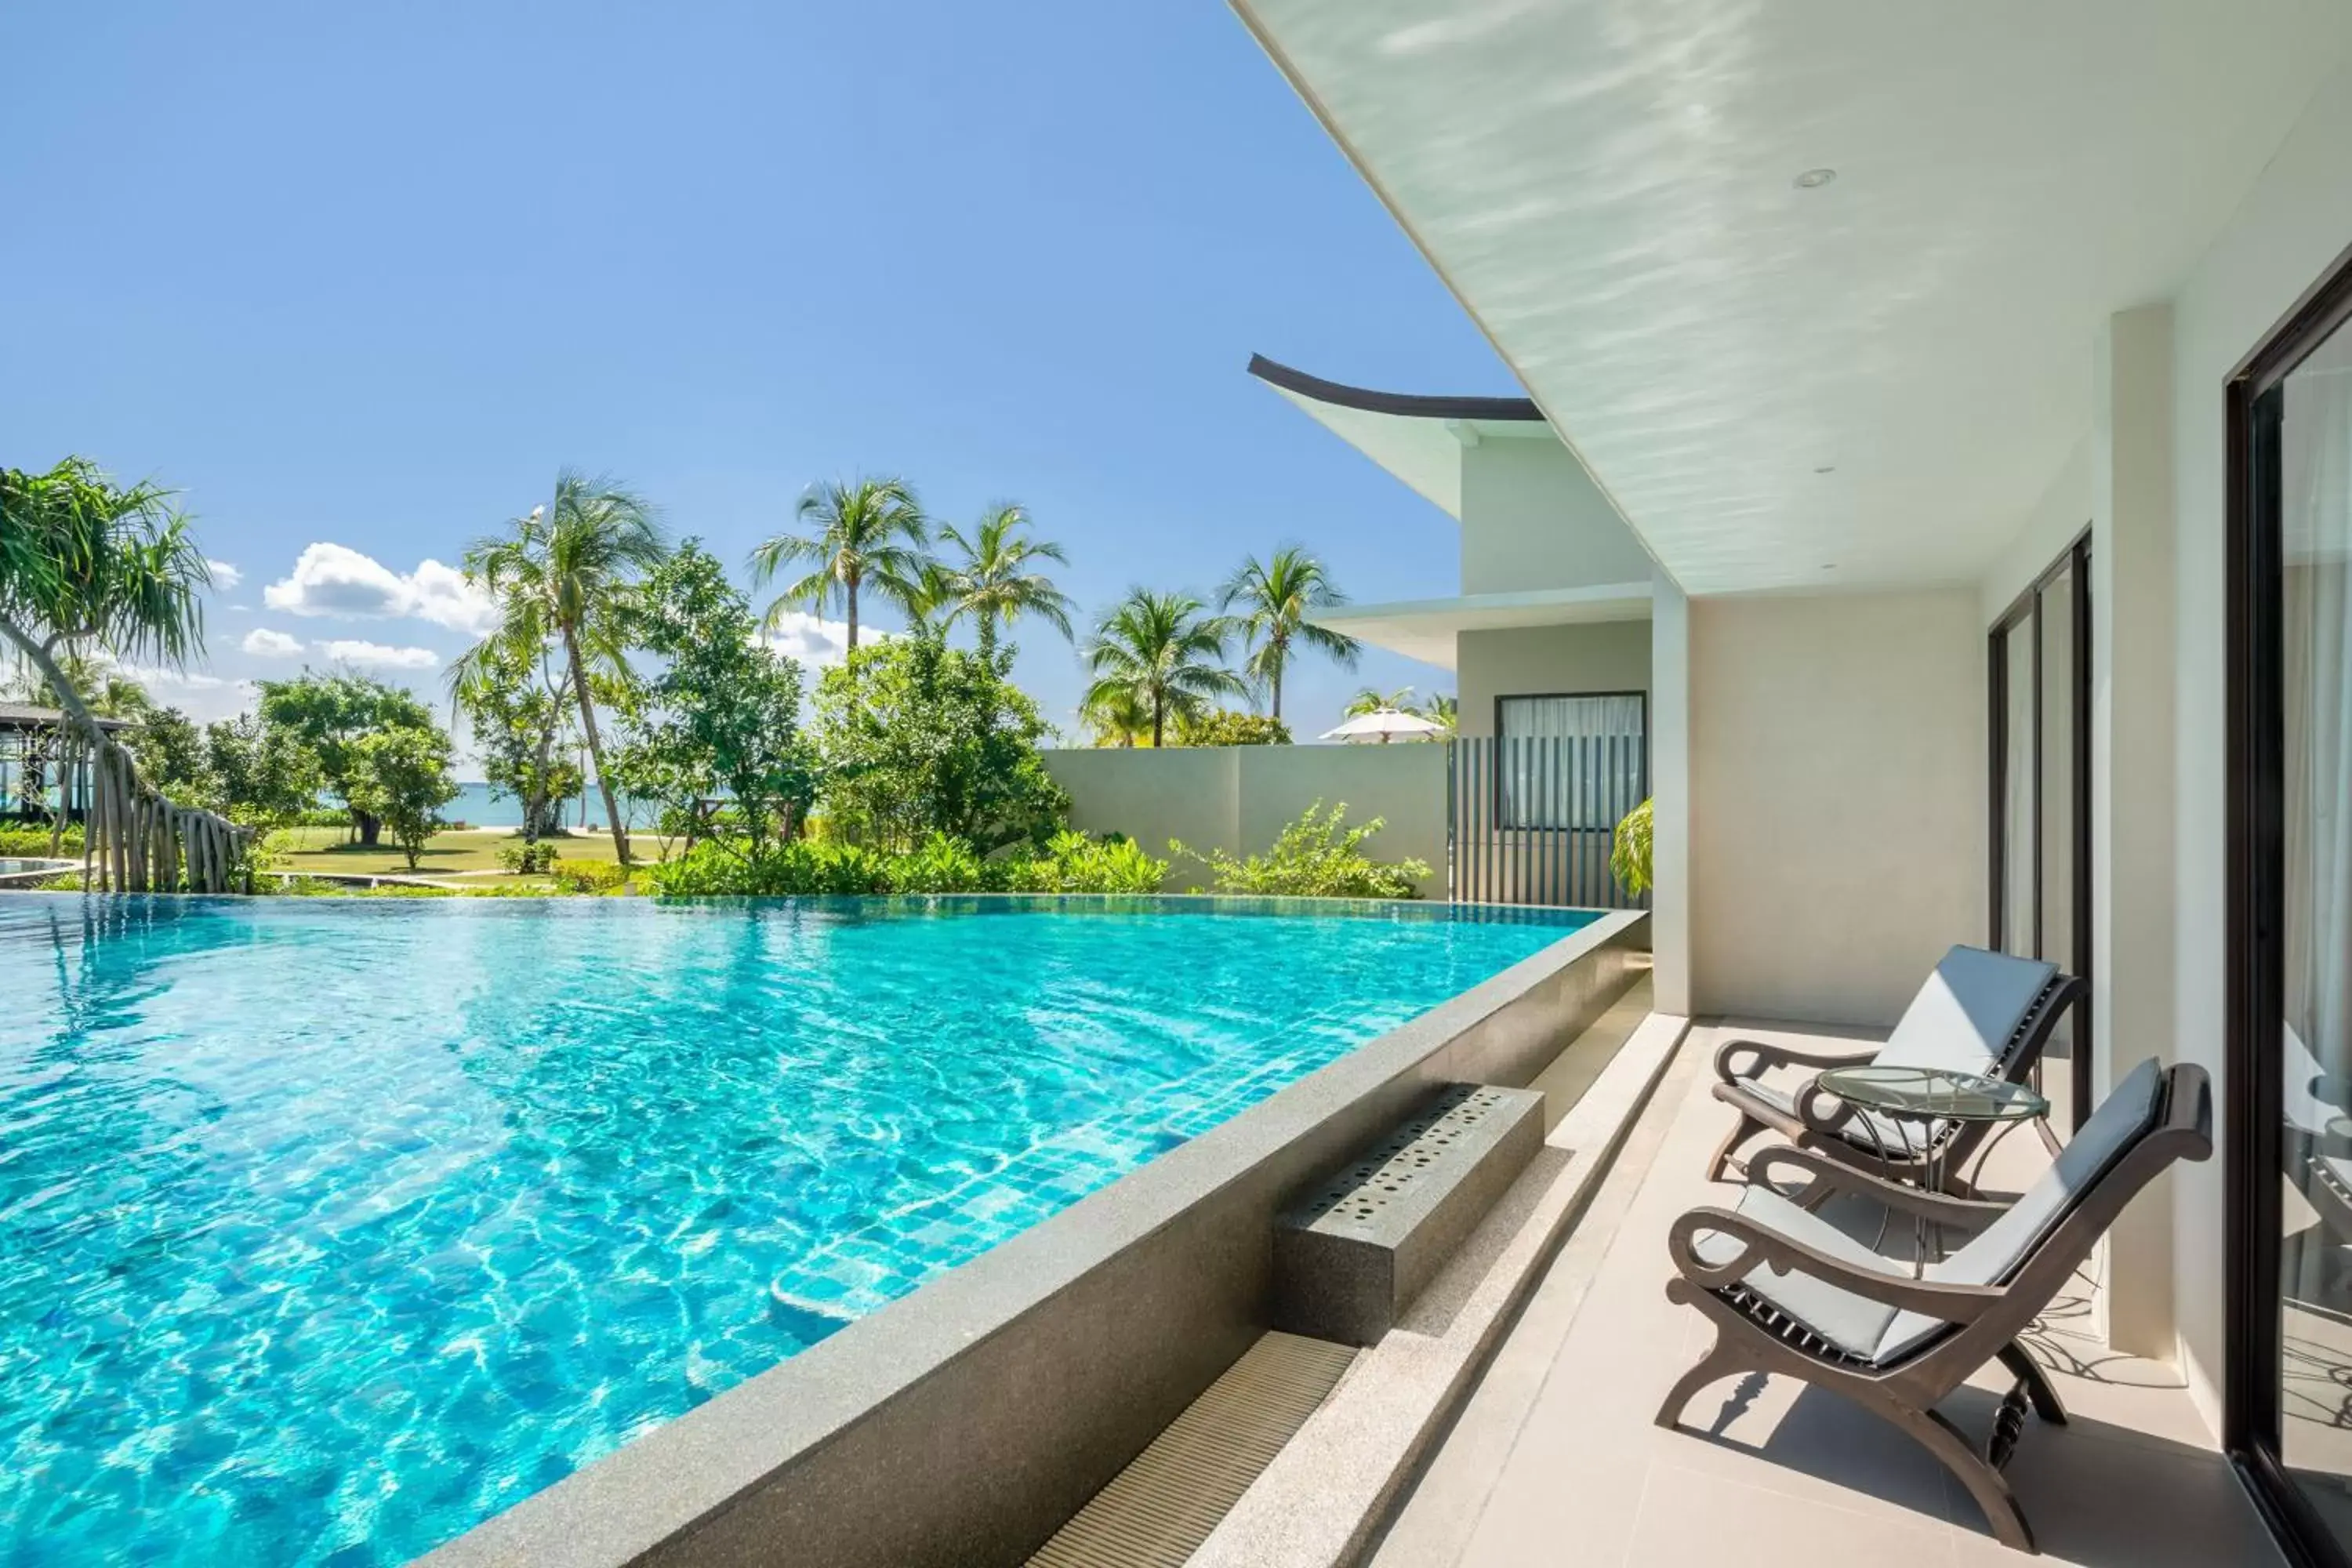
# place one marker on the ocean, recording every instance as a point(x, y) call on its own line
point(477, 806)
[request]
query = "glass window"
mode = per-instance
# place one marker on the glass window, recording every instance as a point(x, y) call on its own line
point(1576, 762)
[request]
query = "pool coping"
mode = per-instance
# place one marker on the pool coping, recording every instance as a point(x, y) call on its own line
point(964, 1421)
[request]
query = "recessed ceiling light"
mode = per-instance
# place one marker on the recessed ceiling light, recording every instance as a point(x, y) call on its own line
point(1814, 179)
point(1826, 468)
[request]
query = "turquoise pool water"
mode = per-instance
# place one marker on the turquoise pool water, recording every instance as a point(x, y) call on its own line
point(328, 1228)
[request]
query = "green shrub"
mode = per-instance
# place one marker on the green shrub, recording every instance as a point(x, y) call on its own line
point(1629, 851)
point(941, 865)
point(797, 869)
point(588, 876)
point(33, 843)
point(1225, 727)
point(1073, 863)
point(529, 856)
point(1317, 856)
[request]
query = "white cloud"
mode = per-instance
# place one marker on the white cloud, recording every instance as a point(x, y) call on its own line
point(224, 575)
point(202, 696)
point(376, 655)
point(263, 642)
point(813, 640)
point(336, 580)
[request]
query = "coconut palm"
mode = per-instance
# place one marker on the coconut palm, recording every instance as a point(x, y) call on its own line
point(1444, 710)
point(1370, 701)
point(1166, 649)
point(864, 534)
point(568, 573)
point(1117, 717)
point(992, 581)
point(1275, 597)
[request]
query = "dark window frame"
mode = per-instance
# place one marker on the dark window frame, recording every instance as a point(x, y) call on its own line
point(2027, 607)
point(1503, 820)
point(2254, 912)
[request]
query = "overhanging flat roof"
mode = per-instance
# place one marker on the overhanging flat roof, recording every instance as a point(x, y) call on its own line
point(1424, 629)
point(1415, 436)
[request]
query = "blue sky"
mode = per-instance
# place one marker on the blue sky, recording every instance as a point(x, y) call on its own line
point(359, 280)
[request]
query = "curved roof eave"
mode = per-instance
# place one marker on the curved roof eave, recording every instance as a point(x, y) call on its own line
point(1407, 404)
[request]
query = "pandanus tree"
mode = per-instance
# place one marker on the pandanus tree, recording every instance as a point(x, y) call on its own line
point(89, 568)
point(862, 535)
point(568, 575)
point(1167, 650)
point(994, 580)
point(1270, 600)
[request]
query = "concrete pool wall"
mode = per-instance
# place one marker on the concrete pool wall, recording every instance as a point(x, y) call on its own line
point(964, 1422)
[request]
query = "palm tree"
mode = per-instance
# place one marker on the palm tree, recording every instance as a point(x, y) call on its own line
point(1166, 649)
point(1117, 717)
point(1444, 710)
point(568, 573)
point(993, 583)
point(1368, 700)
point(867, 533)
point(1275, 596)
point(85, 565)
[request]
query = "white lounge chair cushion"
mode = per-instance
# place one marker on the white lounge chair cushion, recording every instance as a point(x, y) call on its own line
point(1965, 1017)
point(1892, 1140)
point(1872, 1331)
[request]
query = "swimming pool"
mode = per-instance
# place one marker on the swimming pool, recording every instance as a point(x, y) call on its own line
point(329, 1227)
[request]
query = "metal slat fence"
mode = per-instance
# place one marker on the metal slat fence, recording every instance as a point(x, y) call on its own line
point(1530, 820)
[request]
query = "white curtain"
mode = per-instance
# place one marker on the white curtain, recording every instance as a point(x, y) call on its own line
point(1572, 784)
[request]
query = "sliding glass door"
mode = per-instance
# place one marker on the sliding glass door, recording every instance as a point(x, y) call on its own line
point(2041, 808)
point(2290, 928)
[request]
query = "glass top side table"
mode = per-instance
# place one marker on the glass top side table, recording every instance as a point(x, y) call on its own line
point(1921, 1098)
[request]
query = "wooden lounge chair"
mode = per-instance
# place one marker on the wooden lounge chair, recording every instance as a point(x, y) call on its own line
point(1982, 1013)
point(1789, 1292)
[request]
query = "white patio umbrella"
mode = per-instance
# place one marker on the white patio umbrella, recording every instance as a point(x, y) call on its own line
point(1381, 724)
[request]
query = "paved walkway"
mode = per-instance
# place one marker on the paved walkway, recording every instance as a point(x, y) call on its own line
point(1555, 1460)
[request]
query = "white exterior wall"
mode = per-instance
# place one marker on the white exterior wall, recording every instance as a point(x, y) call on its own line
point(1607, 656)
point(2290, 228)
point(1670, 710)
point(1532, 518)
point(1836, 800)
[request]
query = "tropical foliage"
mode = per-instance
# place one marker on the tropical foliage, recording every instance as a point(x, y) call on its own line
point(994, 584)
point(257, 775)
point(1629, 851)
point(1224, 727)
point(567, 575)
point(1166, 652)
point(1317, 856)
point(401, 777)
point(329, 715)
point(1068, 863)
point(1270, 600)
point(915, 738)
point(522, 713)
point(862, 534)
point(721, 721)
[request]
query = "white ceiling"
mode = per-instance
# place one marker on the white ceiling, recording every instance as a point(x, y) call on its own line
point(1607, 186)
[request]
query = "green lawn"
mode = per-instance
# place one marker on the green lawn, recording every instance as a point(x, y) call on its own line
point(323, 849)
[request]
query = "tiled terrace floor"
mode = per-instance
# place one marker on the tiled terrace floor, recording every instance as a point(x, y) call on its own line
point(1555, 1460)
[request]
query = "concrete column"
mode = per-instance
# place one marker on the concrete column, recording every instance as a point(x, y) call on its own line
point(1670, 727)
point(2131, 774)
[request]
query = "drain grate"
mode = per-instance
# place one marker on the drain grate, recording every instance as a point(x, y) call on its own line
point(1156, 1512)
point(1391, 1167)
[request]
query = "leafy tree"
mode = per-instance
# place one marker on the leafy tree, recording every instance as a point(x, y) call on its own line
point(1224, 727)
point(172, 754)
point(1274, 597)
point(1630, 853)
point(865, 534)
point(516, 700)
point(265, 776)
point(917, 738)
point(993, 581)
point(722, 717)
point(329, 715)
point(400, 775)
point(568, 575)
point(1166, 650)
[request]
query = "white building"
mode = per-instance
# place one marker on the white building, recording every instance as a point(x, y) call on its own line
point(1956, 403)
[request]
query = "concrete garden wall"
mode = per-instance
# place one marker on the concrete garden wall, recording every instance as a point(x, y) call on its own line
point(1237, 798)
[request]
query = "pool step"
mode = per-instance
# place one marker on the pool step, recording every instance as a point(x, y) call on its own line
point(1350, 1259)
point(1155, 1512)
